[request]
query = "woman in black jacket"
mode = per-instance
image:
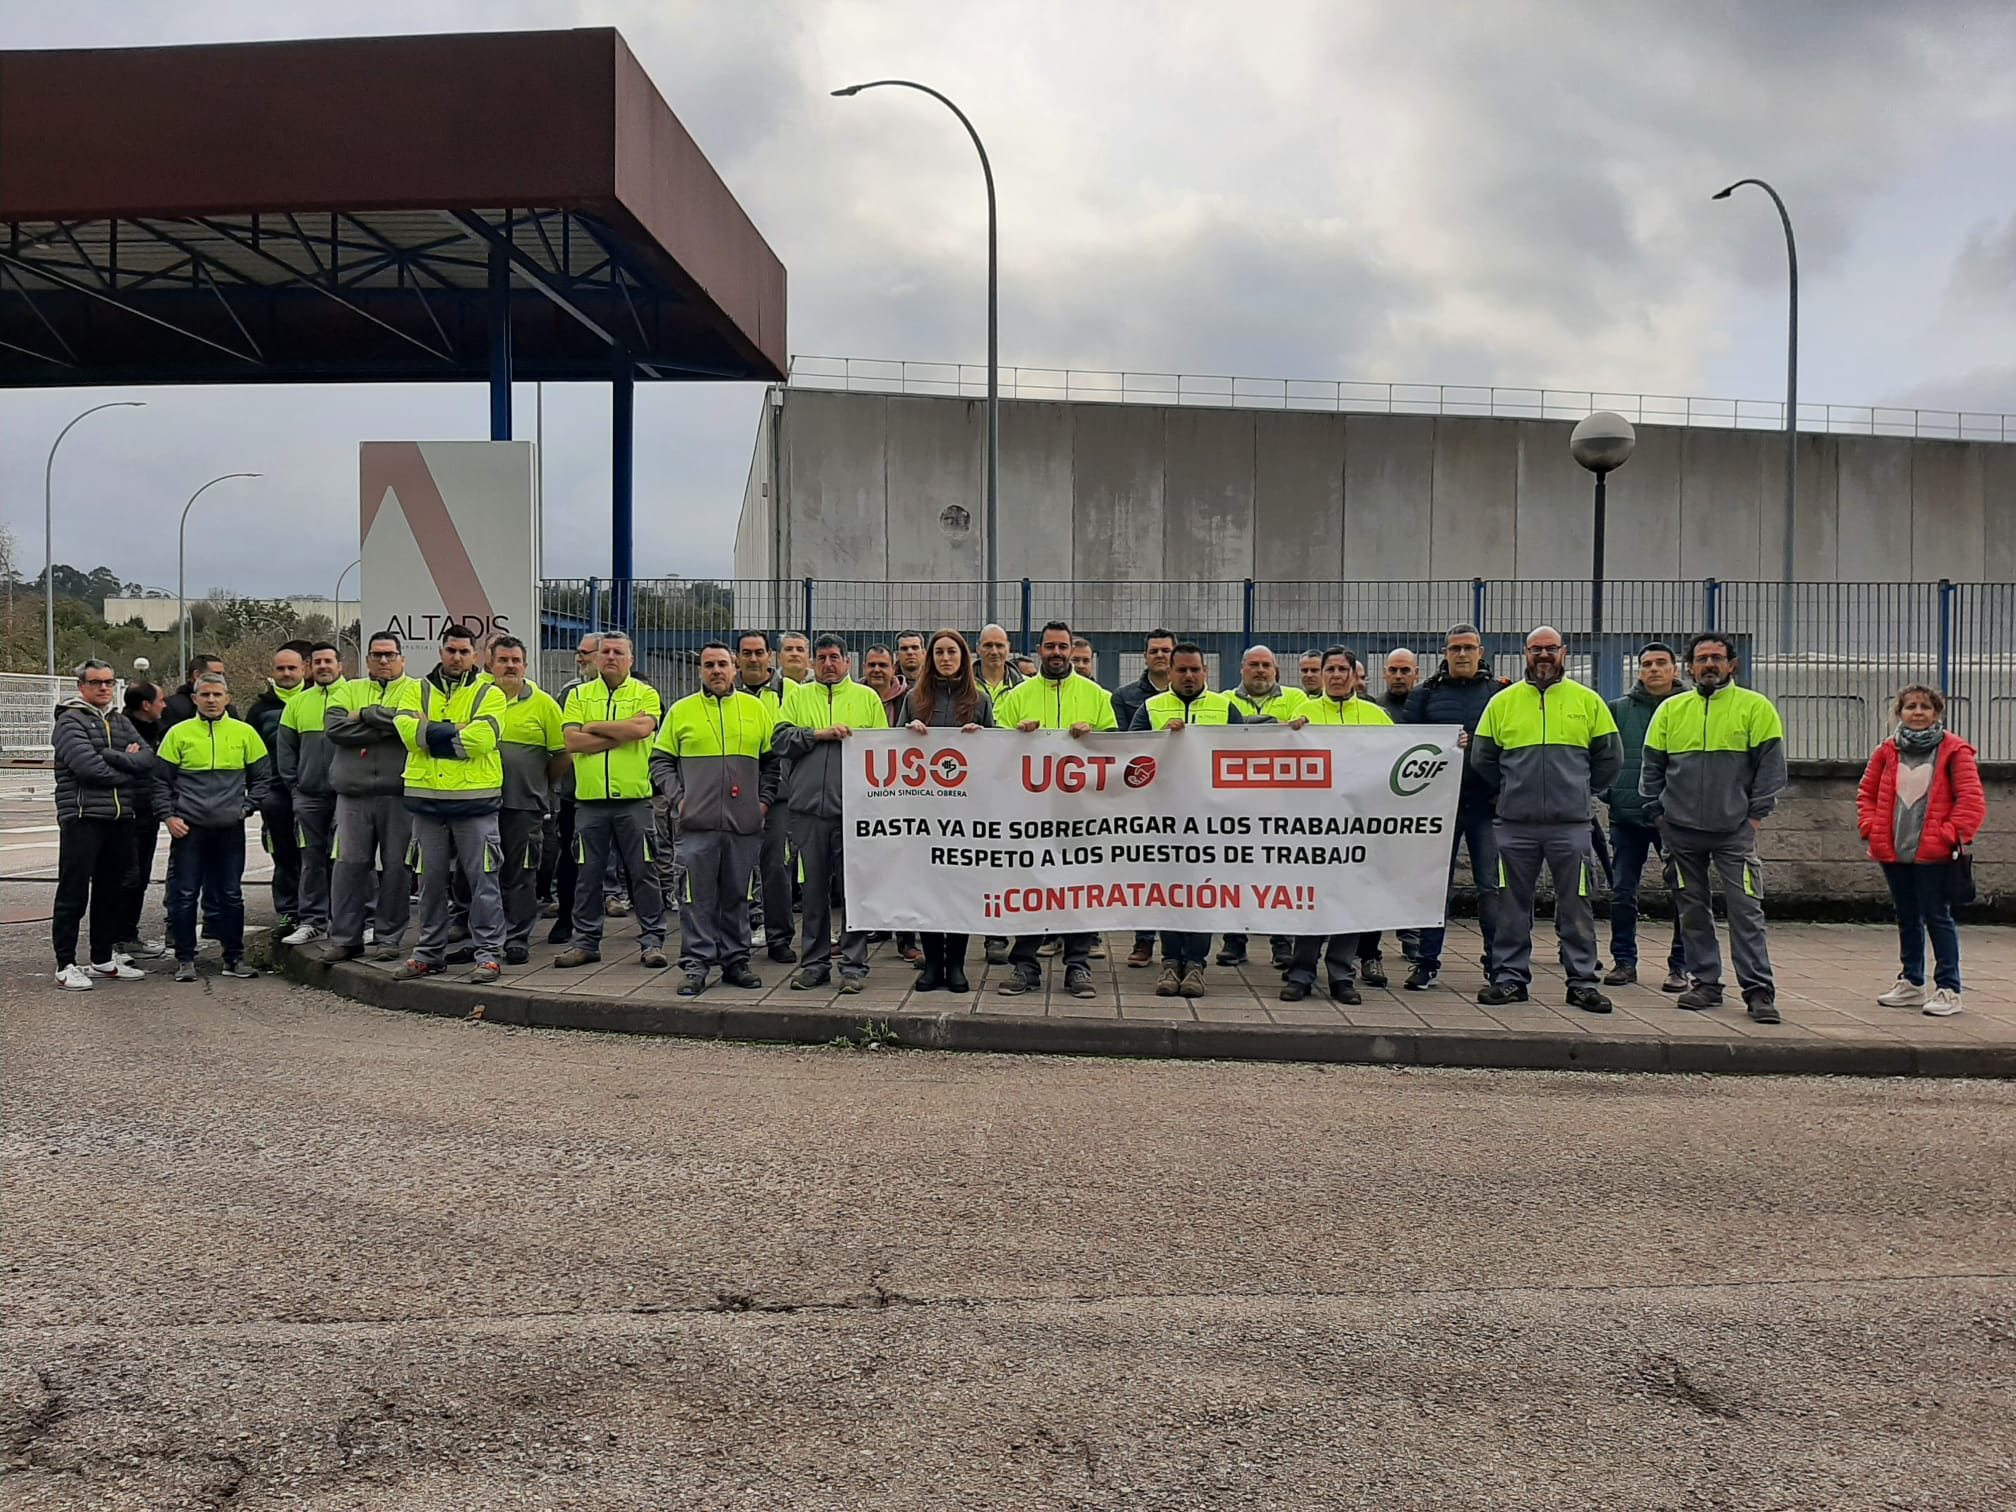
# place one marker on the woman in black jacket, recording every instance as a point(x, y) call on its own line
point(947, 697)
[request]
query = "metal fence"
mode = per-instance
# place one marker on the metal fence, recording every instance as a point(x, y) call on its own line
point(1832, 655)
point(1226, 391)
point(28, 713)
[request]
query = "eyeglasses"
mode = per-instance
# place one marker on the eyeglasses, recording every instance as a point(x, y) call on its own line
point(101, 682)
point(382, 655)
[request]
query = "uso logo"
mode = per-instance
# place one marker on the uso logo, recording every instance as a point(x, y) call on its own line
point(1139, 772)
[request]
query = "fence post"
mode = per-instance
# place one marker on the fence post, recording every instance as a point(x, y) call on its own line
point(1246, 616)
point(594, 603)
point(1945, 638)
point(1477, 604)
point(1028, 611)
point(809, 632)
point(1711, 603)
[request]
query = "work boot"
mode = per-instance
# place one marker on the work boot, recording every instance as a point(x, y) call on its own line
point(1498, 994)
point(997, 952)
point(560, 933)
point(931, 978)
point(412, 971)
point(1345, 993)
point(1699, 998)
point(488, 974)
point(694, 985)
point(1588, 999)
point(811, 979)
point(1372, 971)
point(1171, 983)
point(1284, 956)
point(516, 955)
point(852, 984)
point(955, 979)
point(1293, 992)
point(1078, 982)
point(1623, 974)
point(1676, 982)
point(1141, 955)
point(739, 975)
point(654, 958)
point(1050, 947)
point(576, 957)
point(1018, 982)
point(1232, 955)
point(1193, 982)
point(782, 953)
point(1763, 1008)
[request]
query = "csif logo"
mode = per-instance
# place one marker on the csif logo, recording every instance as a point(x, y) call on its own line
point(911, 769)
point(1417, 767)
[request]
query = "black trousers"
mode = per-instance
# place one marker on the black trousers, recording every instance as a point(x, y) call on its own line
point(92, 856)
point(139, 873)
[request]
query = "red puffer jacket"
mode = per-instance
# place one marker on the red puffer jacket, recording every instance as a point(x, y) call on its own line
point(1955, 809)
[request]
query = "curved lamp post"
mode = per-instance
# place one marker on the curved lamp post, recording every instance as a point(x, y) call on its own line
point(993, 332)
point(49, 527)
point(1602, 443)
point(182, 560)
point(1791, 364)
point(339, 611)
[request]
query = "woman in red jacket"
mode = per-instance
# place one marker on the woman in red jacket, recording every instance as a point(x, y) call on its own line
point(1919, 808)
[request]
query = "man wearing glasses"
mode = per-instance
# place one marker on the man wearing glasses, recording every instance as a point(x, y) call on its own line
point(1714, 767)
point(374, 830)
point(100, 762)
point(1545, 745)
point(1457, 695)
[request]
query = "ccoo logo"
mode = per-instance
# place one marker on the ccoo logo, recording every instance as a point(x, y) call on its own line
point(1417, 767)
point(1139, 772)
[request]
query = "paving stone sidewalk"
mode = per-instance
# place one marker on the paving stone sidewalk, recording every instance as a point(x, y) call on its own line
point(1828, 979)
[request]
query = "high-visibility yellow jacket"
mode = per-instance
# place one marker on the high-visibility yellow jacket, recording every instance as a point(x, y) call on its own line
point(625, 772)
point(1347, 711)
point(1713, 762)
point(1544, 752)
point(210, 773)
point(1282, 705)
point(1073, 700)
point(813, 784)
point(716, 759)
point(451, 742)
point(360, 719)
point(1207, 708)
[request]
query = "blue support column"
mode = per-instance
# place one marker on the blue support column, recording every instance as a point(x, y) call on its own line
point(1246, 614)
point(809, 631)
point(1711, 593)
point(1477, 604)
point(1945, 638)
point(500, 344)
point(622, 466)
point(1028, 612)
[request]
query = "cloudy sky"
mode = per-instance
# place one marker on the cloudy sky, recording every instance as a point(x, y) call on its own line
point(1512, 193)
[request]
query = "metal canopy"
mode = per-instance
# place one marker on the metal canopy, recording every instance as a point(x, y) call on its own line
point(458, 208)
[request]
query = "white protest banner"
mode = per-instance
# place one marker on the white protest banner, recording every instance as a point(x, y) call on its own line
point(1259, 829)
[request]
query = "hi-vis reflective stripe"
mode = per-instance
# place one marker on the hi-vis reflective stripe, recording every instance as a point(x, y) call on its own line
point(1749, 880)
point(528, 863)
point(1583, 889)
point(335, 844)
point(1502, 884)
point(266, 839)
point(580, 851)
point(415, 858)
point(493, 856)
point(300, 835)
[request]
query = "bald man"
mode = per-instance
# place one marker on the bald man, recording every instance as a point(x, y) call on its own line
point(1403, 671)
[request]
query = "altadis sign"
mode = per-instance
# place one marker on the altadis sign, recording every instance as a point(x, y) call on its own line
point(450, 533)
point(1258, 829)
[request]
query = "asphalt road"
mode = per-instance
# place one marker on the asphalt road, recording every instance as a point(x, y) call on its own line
point(265, 1248)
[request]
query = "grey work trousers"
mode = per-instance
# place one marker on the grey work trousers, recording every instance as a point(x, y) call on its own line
point(464, 845)
point(817, 842)
point(665, 849)
point(522, 833)
point(714, 908)
point(772, 909)
point(619, 830)
point(1697, 856)
point(1339, 954)
point(371, 833)
point(314, 827)
point(1563, 849)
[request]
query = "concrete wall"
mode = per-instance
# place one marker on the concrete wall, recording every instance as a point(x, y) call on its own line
point(1181, 496)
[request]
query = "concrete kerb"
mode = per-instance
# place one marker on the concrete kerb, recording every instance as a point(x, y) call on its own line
point(1029, 1034)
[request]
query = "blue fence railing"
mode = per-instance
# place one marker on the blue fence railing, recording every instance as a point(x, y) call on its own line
point(1832, 655)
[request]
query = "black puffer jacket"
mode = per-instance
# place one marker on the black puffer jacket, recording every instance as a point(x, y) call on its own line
point(1449, 700)
point(96, 776)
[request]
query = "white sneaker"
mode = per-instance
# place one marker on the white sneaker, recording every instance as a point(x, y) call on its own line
point(75, 979)
point(1945, 1003)
point(304, 935)
point(1906, 994)
point(370, 936)
point(118, 970)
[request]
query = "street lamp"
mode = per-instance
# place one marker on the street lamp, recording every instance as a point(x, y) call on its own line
point(182, 558)
point(1791, 367)
point(1602, 443)
point(339, 611)
point(993, 332)
point(49, 527)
